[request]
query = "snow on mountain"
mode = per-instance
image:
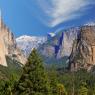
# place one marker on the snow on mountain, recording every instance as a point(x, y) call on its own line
point(51, 34)
point(27, 43)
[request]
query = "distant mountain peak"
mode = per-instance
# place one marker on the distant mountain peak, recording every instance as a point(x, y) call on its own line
point(27, 43)
point(26, 38)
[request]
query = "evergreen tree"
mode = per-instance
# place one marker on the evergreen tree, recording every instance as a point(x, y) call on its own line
point(53, 82)
point(61, 89)
point(7, 86)
point(34, 79)
point(83, 89)
point(94, 90)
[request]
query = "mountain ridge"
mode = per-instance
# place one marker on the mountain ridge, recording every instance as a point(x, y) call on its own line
point(60, 45)
point(27, 43)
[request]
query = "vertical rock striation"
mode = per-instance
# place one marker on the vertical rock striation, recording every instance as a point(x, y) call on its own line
point(83, 51)
point(8, 45)
point(61, 44)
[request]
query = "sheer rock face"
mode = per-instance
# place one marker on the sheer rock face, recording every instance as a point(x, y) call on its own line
point(83, 51)
point(66, 42)
point(60, 45)
point(8, 46)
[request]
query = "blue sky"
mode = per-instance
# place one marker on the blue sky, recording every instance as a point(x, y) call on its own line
point(39, 17)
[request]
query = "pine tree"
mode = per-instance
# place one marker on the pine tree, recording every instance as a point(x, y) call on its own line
point(83, 89)
point(53, 82)
point(94, 90)
point(34, 79)
point(61, 89)
point(7, 86)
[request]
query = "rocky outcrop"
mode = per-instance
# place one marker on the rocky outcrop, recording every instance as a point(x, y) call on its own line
point(77, 43)
point(83, 51)
point(8, 46)
point(60, 45)
point(66, 42)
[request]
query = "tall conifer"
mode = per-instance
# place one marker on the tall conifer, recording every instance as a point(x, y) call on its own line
point(34, 79)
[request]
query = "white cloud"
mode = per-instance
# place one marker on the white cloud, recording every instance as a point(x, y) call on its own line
point(59, 11)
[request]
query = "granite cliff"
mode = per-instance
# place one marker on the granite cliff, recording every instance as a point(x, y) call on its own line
point(59, 46)
point(8, 46)
point(76, 45)
point(83, 50)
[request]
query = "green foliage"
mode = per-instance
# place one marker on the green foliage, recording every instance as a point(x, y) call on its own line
point(14, 67)
point(83, 89)
point(34, 80)
point(9, 75)
point(61, 89)
point(7, 86)
point(53, 81)
point(73, 81)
